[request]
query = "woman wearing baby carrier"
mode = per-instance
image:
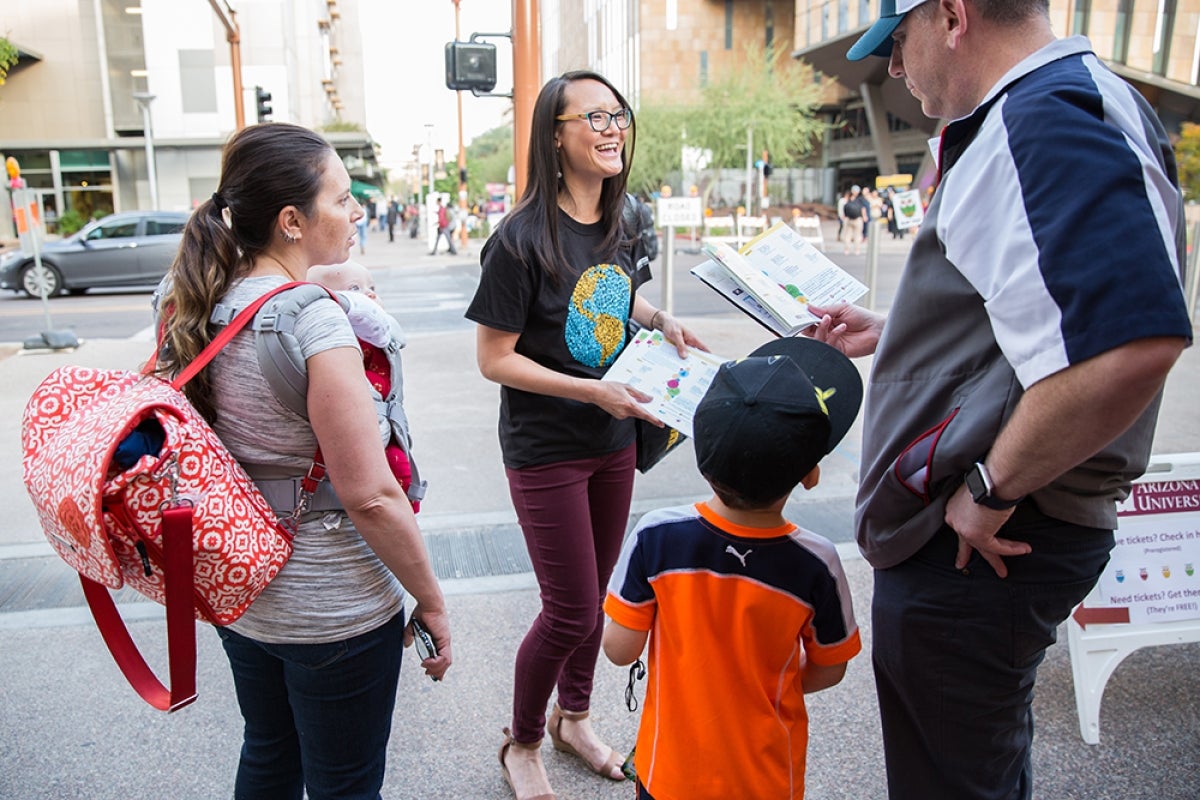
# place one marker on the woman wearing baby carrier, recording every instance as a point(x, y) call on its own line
point(316, 658)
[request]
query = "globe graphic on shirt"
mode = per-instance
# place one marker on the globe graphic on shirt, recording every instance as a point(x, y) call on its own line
point(595, 330)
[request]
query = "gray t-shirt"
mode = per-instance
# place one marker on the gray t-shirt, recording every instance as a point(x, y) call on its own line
point(334, 586)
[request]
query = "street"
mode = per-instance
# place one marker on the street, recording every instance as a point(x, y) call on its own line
point(428, 294)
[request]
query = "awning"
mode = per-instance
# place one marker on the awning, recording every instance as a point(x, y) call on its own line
point(362, 190)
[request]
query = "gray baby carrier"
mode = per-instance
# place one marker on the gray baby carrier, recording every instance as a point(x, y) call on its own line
point(283, 366)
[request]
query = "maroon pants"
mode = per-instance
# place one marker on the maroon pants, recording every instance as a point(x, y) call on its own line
point(574, 515)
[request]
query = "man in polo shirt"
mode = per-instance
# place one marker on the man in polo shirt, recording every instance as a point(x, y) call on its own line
point(1016, 380)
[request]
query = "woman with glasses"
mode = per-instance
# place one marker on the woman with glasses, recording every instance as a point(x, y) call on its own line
point(559, 283)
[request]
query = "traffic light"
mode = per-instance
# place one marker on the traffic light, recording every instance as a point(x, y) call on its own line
point(263, 100)
point(471, 66)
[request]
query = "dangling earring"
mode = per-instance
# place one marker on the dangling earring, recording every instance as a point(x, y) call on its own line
point(288, 237)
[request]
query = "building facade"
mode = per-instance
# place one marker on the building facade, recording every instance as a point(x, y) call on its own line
point(104, 85)
point(878, 129)
point(671, 48)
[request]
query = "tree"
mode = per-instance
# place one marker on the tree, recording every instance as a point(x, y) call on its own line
point(8, 58)
point(658, 147)
point(1187, 157)
point(342, 126)
point(489, 155)
point(771, 94)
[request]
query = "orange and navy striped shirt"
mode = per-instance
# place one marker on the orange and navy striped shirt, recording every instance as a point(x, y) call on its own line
point(733, 614)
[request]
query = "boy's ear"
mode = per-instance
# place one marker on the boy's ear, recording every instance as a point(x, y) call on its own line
point(812, 478)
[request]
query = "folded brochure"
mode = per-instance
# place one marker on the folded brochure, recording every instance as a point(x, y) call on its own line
point(775, 276)
point(651, 364)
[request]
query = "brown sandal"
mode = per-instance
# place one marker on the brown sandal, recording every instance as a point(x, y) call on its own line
point(509, 742)
point(554, 726)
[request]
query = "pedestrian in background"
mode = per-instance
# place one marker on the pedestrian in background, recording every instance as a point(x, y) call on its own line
point(361, 225)
point(444, 228)
point(559, 283)
point(854, 212)
point(1006, 415)
point(393, 216)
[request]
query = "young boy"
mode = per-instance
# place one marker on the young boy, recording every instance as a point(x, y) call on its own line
point(744, 611)
point(378, 334)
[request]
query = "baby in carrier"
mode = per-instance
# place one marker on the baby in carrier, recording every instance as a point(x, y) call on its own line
point(380, 337)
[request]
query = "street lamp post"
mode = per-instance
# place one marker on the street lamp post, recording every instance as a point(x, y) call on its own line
point(462, 152)
point(427, 207)
point(143, 100)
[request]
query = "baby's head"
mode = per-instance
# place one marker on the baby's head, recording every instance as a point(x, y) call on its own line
point(348, 277)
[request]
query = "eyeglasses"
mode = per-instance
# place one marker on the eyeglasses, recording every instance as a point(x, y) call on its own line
point(600, 120)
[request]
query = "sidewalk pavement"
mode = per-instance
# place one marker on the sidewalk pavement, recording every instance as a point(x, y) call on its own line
point(72, 728)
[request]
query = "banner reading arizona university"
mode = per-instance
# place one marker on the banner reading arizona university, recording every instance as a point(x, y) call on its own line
point(1153, 569)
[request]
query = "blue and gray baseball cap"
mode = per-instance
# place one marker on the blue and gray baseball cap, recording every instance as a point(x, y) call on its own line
point(877, 41)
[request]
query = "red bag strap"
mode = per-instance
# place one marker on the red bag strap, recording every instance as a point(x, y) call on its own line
point(227, 333)
point(178, 577)
point(178, 571)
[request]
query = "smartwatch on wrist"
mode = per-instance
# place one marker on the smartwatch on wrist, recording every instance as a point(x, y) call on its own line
point(979, 484)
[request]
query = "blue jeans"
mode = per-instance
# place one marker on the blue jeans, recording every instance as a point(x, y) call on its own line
point(956, 654)
point(318, 716)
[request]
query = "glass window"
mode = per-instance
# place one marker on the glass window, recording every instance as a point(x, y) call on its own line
point(161, 227)
point(843, 22)
point(83, 159)
point(114, 230)
point(1164, 27)
point(30, 159)
point(1121, 30)
point(87, 178)
point(1083, 9)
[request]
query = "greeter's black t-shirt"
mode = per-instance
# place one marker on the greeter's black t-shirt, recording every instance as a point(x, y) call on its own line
point(575, 326)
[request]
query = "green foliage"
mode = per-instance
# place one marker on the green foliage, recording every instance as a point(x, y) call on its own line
point(771, 94)
point(70, 222)
point(8, 58)
point(774, 95)
point(488, 158)
point(658, 148)
point(342, 126)
point(1187, 157)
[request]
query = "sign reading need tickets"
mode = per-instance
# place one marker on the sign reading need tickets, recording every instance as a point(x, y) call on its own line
point(677, 212)
point(1153, 567)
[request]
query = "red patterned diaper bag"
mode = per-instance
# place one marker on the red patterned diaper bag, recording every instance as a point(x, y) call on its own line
point(180, 522)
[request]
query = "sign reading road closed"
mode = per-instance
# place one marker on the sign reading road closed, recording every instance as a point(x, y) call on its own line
point(677, 212)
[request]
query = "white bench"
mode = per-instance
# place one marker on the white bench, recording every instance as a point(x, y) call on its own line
point(749, 227)
point(809, 229)
point(721, 224)
point(1097, 650)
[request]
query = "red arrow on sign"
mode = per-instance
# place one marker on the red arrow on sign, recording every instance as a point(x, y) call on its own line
point(1110, 615)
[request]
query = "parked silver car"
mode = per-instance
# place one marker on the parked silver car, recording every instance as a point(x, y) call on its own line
point(133, 248)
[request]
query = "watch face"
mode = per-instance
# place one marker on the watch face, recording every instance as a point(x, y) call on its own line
point(975, 484)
